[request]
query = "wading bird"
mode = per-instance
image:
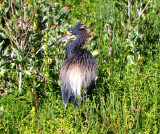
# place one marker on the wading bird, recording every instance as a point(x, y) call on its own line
point(79, 68)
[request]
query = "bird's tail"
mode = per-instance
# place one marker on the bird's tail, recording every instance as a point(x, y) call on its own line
point(68, 95)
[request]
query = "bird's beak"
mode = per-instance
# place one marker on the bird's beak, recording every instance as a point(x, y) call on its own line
point(67, 38)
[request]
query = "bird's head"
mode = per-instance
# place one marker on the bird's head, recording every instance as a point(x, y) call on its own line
point(77, 33)
point(78, 29)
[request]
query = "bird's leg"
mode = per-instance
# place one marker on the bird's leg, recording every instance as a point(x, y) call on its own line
point(85, 99)
point(86, 105)
point(64, 115)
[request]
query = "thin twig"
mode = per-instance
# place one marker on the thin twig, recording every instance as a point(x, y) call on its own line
point(17, 27)
point(110, 128)
point(11, 31)
point(24, 43)
point(35, 93)
point(129, 5)
point(9, 28)
point(21, 14)
point(140, 12)
point(146, 6)
point(7, 34)
point(27, 53)
point(57, 60)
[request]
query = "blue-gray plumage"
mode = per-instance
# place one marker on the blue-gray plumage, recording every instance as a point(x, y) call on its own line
point(79, 67)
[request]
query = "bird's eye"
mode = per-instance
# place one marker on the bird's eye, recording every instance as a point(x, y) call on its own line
point(82, 26)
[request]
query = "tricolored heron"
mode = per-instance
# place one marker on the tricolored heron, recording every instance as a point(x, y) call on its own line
point(79, 68)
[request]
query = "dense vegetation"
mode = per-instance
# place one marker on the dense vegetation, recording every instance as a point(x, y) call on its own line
point(125, 39)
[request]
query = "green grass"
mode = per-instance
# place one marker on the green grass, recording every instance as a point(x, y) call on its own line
point(135, 110)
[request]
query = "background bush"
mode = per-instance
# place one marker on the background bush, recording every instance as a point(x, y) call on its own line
point(126, 35)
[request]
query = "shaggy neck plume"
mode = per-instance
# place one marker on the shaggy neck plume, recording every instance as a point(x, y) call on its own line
point(73, 46)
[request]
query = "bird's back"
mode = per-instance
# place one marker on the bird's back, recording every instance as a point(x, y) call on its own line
point(77, 70)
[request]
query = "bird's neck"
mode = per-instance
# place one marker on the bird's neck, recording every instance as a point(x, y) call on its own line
point(72, 49)
point(73, 46)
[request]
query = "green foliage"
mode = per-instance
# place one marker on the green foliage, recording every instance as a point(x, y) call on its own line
point(126, 98)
